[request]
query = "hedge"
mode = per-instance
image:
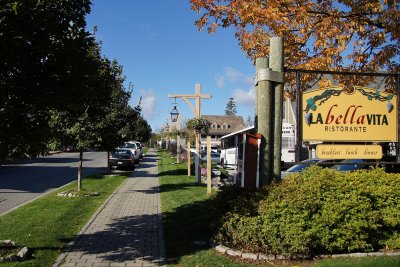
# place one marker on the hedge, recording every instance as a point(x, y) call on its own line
point(315, 212)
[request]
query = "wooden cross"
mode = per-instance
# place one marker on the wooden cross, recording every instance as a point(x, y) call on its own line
point(197, 113)
point(197, 96)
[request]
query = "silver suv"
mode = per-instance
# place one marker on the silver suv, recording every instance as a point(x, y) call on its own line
point(135, 149)
point(139, 146)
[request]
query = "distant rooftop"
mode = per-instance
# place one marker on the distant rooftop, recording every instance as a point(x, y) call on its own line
point(223, 125)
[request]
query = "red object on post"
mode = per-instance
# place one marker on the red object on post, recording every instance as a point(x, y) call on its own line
point(248, 161)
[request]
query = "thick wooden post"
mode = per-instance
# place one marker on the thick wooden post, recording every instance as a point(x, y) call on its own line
point(198, 135)
point(265, 110)
point(276, 63)
point(270, 82)
point(261, 63)
point(197, 113)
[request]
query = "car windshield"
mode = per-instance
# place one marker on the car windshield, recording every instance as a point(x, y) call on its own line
point(121, 152)
point(300, 166)
point(129, 145)
point(348, 166)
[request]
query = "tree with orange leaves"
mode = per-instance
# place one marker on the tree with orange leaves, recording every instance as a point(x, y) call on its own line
point(341, 35)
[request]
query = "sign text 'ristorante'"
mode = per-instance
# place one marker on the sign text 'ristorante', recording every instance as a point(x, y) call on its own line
point(361, 115)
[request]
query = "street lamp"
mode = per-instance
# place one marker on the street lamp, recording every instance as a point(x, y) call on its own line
point(166, 127)
point(175, 117)
point(196, 112)
point(174, 114)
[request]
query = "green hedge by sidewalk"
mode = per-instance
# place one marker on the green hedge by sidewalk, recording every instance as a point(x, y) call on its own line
point(319, 211)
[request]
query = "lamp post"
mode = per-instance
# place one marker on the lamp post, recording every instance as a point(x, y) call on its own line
point(197, 113)
point(176, 117)
point(166, 128)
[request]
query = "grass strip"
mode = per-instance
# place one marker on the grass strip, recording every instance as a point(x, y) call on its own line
point(48, 224)
point(186, 218)
point(183, 207)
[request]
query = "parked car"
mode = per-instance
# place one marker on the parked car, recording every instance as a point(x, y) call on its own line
point(215, 157)
point(70, 148)
point(299, 167)
point(138, 146)
point(213, 148)
point(193, 152)
point(136, 152)
point(351, 165)
point(121, 157)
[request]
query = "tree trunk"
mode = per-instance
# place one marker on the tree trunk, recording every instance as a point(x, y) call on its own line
point(80, 169)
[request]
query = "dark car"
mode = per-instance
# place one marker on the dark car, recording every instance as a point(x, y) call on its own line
point(348, 165)
point(70, 148)
point(121, 158)
point(215, 157)
point(299, 167)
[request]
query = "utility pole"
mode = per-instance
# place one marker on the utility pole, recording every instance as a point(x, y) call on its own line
point(261, 63)
point(269, 110)
point(276, 64)
point(197, 113)
point(264, 123)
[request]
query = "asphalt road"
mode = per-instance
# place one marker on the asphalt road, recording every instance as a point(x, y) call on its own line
point(21, 183)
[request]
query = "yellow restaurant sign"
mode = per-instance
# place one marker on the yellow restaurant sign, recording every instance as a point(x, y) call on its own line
point(349, 151)
point(362, 115)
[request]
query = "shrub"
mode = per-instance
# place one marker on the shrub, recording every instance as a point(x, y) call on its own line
point(224, 173)
point(317, 211)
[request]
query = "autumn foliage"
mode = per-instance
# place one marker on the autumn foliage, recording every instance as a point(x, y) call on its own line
point(344, 35)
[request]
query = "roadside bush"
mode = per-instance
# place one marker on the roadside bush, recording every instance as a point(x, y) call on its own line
point(233, 200)
point(315, 212)
point(224, 173)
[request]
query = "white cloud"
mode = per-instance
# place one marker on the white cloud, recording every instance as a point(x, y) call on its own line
point(148, 104)
point(245, 98)
point(220, 80)
point(232, 76)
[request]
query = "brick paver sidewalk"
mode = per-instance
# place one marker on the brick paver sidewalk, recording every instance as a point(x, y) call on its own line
point(127, 229)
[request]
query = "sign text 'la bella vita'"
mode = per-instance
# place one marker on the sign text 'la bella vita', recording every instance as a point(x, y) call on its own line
point(362, 115)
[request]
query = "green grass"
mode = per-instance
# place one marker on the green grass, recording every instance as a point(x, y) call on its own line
point(384, 261)
point(185, 219)
point(48, 224)
point(184, 209)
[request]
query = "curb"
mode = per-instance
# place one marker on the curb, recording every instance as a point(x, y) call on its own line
point(265, 257)
point(45, 194)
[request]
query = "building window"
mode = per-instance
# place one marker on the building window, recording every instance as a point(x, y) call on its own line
point(225, 126)
point(214, 126)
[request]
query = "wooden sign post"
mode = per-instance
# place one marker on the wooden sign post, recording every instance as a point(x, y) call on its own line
point(197, 113)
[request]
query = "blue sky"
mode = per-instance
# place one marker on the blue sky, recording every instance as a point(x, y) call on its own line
point(162, 53)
